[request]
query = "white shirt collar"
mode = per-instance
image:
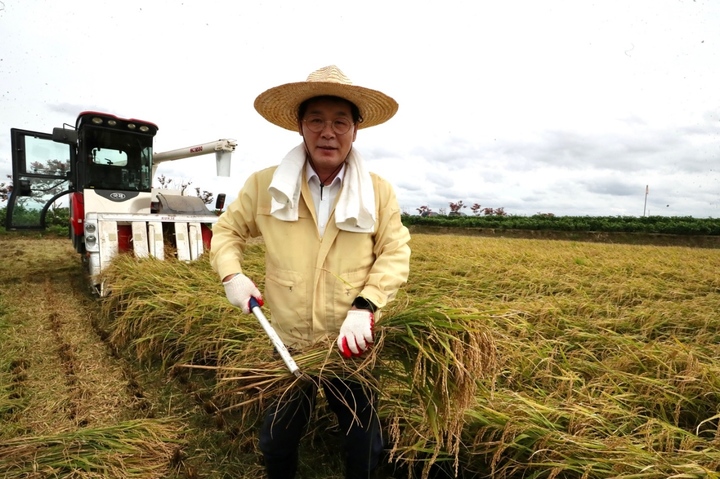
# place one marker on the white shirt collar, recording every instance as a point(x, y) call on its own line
point(310, 174)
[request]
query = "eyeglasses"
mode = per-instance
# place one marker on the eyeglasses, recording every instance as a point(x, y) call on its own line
point(316, 124)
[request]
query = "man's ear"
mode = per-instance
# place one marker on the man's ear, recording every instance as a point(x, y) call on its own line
point(355, 129)
point(300, 127)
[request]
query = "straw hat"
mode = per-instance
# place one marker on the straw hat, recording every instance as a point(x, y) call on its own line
point(279, 105)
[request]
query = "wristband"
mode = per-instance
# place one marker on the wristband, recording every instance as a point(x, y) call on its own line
point(362, 303)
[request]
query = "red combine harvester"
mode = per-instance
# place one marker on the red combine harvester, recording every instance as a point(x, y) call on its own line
point(106, 165)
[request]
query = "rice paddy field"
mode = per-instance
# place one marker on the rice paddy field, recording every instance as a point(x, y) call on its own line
point(501, 358)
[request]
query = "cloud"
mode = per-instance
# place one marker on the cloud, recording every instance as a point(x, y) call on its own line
point(562, 171)
point(71, 110)
point(568, 110)
point(611, 184)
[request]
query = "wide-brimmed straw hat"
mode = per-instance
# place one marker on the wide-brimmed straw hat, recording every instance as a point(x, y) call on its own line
point(279, 105)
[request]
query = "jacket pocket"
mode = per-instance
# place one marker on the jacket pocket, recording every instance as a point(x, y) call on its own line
point(347, 287)
point(288, 301)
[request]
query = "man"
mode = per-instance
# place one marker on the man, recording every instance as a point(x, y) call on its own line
point(336, 252)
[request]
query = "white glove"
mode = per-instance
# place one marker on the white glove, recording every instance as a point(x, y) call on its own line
point(239, 290)
point(356, 332)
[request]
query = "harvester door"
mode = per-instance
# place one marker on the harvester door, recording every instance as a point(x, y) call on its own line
point(41, 176)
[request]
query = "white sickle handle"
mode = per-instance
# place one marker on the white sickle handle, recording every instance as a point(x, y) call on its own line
point(272, 334)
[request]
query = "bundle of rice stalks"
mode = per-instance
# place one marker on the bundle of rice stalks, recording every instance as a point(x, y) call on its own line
point(133, 449)
point(423, 367)
point(444, 352)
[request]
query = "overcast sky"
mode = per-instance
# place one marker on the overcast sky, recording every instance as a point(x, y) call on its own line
point(565, 107)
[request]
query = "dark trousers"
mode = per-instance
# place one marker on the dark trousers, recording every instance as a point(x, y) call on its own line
point(286, 422)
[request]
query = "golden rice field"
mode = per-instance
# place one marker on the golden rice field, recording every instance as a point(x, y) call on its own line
point(502, 358)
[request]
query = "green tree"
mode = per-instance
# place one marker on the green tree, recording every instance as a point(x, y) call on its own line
point(5, 189)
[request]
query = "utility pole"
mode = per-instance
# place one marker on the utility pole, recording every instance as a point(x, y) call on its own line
point(647, 190)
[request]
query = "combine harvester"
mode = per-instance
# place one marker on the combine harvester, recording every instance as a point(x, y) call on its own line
point(106, 165)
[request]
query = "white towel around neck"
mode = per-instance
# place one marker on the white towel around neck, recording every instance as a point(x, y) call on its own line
point(355, 208)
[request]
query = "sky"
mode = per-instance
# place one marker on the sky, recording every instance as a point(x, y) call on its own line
point(569, 107)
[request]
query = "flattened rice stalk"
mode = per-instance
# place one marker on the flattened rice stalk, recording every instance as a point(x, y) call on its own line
point(170, 310)
point(133, 449)
point(524, 434)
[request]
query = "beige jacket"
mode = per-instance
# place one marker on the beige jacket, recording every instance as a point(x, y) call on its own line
point(311, 282)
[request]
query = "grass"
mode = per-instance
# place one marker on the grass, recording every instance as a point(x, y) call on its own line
point(502, 357)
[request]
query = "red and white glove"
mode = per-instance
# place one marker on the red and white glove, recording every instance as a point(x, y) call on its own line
point(356, 332)
point(239, 289)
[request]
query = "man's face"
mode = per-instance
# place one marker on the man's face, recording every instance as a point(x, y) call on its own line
point(327, 148)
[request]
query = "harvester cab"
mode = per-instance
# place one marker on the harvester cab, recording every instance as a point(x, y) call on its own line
point(106, 165)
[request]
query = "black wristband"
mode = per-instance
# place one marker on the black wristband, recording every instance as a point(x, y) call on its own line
point(362, 303)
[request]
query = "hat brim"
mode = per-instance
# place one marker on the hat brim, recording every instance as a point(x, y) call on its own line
point(279, 105)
